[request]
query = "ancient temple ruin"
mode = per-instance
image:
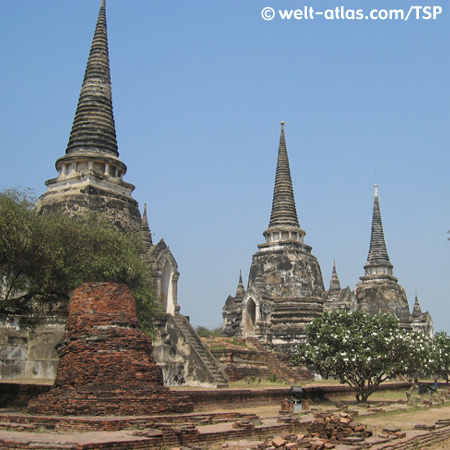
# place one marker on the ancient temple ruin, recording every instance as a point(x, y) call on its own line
point(378, 291)
point(285, 289)
point(106, 366)
point(285, 286)
point(90, 174)
point(91, 178)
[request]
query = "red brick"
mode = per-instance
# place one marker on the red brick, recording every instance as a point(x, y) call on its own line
point(106, 366)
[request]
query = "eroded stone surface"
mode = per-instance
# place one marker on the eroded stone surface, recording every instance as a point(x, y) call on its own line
point(285, 286)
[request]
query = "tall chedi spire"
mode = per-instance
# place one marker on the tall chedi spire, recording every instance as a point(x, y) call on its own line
point(378, 259)
point(285, 285)
point(283, 203)
point(90, 174)
point(93, 128)
point(283, 225)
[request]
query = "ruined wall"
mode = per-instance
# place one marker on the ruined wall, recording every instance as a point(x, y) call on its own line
point(106, 365)
point(241, 364)
point(27, 351)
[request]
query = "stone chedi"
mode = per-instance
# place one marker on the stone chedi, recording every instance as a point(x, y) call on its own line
point(106, 365)
point(285, 286)
point(90, 174)
point(90, 178)
point(378, 292)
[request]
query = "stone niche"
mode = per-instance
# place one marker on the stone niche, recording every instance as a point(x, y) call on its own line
point(106, 365)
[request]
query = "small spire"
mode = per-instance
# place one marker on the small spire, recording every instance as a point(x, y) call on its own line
point(416, 309)
point(144, 216)
point(335, 284)
point(240, 287)
point(145, 230)
point(93, 128)
point(283, 203)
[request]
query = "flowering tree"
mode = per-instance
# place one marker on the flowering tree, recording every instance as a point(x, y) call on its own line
point(440, 364)
point(361, 350)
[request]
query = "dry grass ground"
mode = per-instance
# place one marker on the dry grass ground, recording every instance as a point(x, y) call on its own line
point(394, 417)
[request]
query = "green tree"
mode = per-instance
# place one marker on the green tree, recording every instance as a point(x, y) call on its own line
point(208, 332)
point(360, 350)
point(44, 257)
point(440, 364)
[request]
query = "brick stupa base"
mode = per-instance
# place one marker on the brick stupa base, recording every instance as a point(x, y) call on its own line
point(106, 365)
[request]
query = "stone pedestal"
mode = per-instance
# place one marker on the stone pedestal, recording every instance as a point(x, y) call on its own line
point(106, 365)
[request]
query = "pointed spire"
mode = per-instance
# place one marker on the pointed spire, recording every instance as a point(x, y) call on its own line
point(284, 227)
point(283, 204)
point(335, 284)
point(378, 258)
point(240, 287)
point(90, 174)
point(144, 217)
point(417, 310)
point(93, 129)
point(145, 230)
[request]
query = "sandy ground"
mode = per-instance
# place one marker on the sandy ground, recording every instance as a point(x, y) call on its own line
point(405, 421)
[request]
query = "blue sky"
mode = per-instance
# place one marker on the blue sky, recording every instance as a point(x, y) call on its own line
point(199, 90)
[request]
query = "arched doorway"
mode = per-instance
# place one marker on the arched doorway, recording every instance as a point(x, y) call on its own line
point(249, 317)
point(167, 288)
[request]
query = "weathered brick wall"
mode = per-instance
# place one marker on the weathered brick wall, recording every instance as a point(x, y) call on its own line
point(80, 423)
point(106, 364)
point(135, 444)
point(204, 398)
point(423, 441)
point(242, 363)
point(232, 398)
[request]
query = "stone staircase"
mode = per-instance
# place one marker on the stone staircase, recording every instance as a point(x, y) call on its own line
point(280, 364)
point(210, 364)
